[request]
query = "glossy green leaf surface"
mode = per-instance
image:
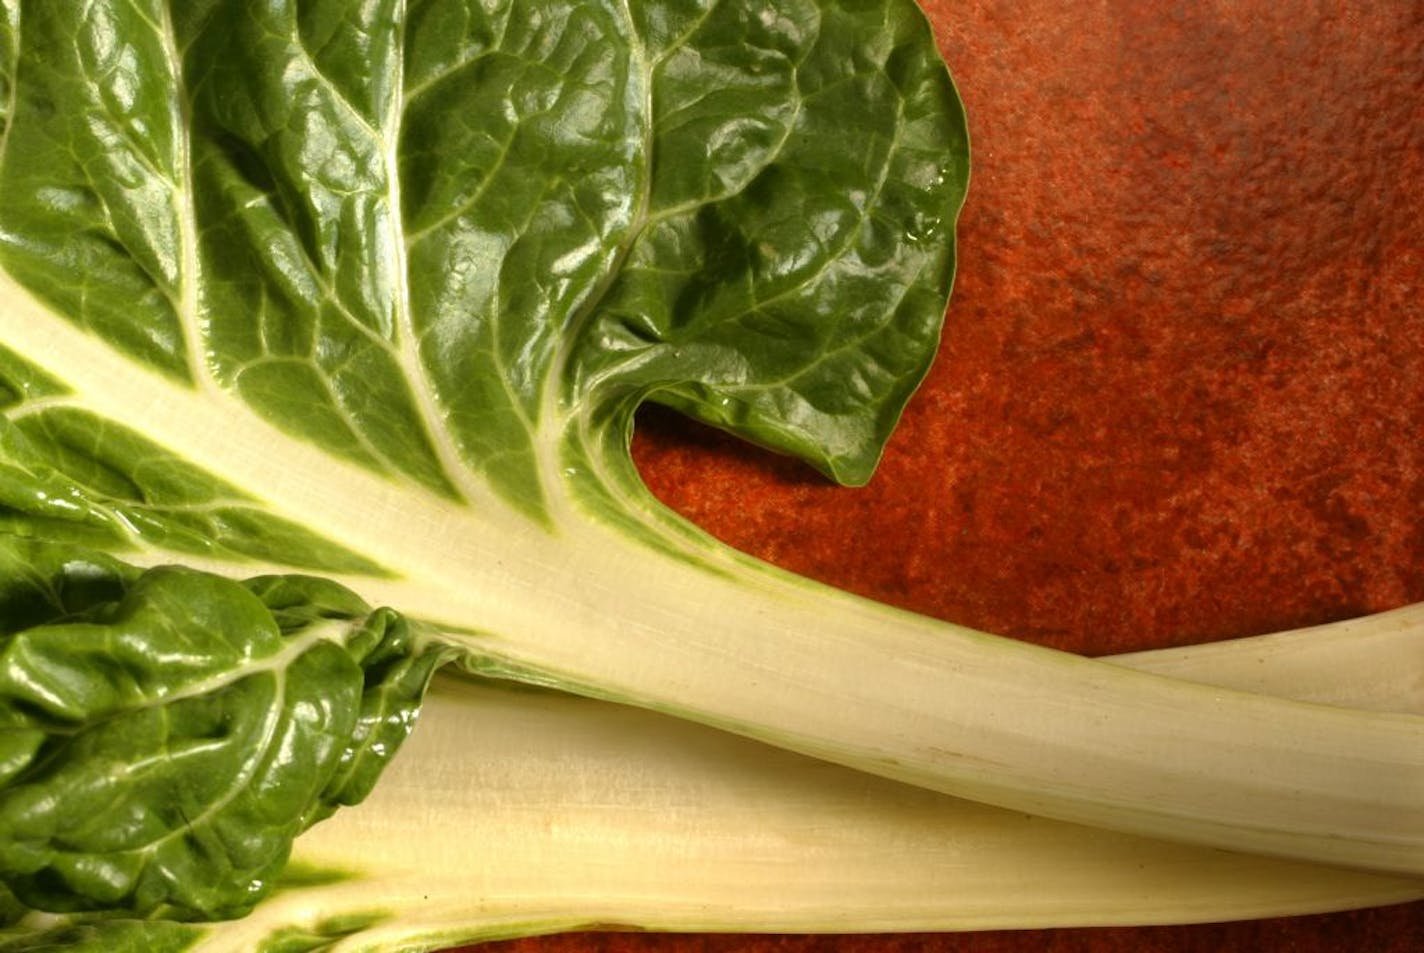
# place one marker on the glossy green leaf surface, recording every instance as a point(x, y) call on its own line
point(165, 735)
point(418, 234)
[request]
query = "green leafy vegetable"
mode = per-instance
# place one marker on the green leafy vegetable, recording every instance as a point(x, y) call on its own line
point(167, 734)
point(371, 291)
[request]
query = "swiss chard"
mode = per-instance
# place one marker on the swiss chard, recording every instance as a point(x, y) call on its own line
point(371, 291)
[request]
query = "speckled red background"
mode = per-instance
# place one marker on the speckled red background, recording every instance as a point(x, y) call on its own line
point(1181, 392)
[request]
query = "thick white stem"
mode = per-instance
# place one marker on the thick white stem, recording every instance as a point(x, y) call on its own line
point(1017, 726)
point(513, 812)
point(1375, 662)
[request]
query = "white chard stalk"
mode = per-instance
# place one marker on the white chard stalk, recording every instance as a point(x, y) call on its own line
point(513, 812)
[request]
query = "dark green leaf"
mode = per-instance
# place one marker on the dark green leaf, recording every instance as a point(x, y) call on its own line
point(436, 237)
point(169, 733)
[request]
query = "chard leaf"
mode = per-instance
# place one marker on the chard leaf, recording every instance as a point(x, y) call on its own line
point(438, 238)
point(166, 734)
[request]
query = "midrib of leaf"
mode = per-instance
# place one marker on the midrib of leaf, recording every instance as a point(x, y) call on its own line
point(480, 576)
point(556, 410)
point(408, 346)
point(446, 556)
point(190, 268)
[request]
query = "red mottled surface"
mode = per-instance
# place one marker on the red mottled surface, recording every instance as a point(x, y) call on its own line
point(1181, 392)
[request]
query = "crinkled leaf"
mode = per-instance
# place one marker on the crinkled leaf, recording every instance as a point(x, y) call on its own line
point(168, 733)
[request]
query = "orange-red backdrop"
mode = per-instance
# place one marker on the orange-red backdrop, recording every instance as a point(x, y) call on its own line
point(1181, 392)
